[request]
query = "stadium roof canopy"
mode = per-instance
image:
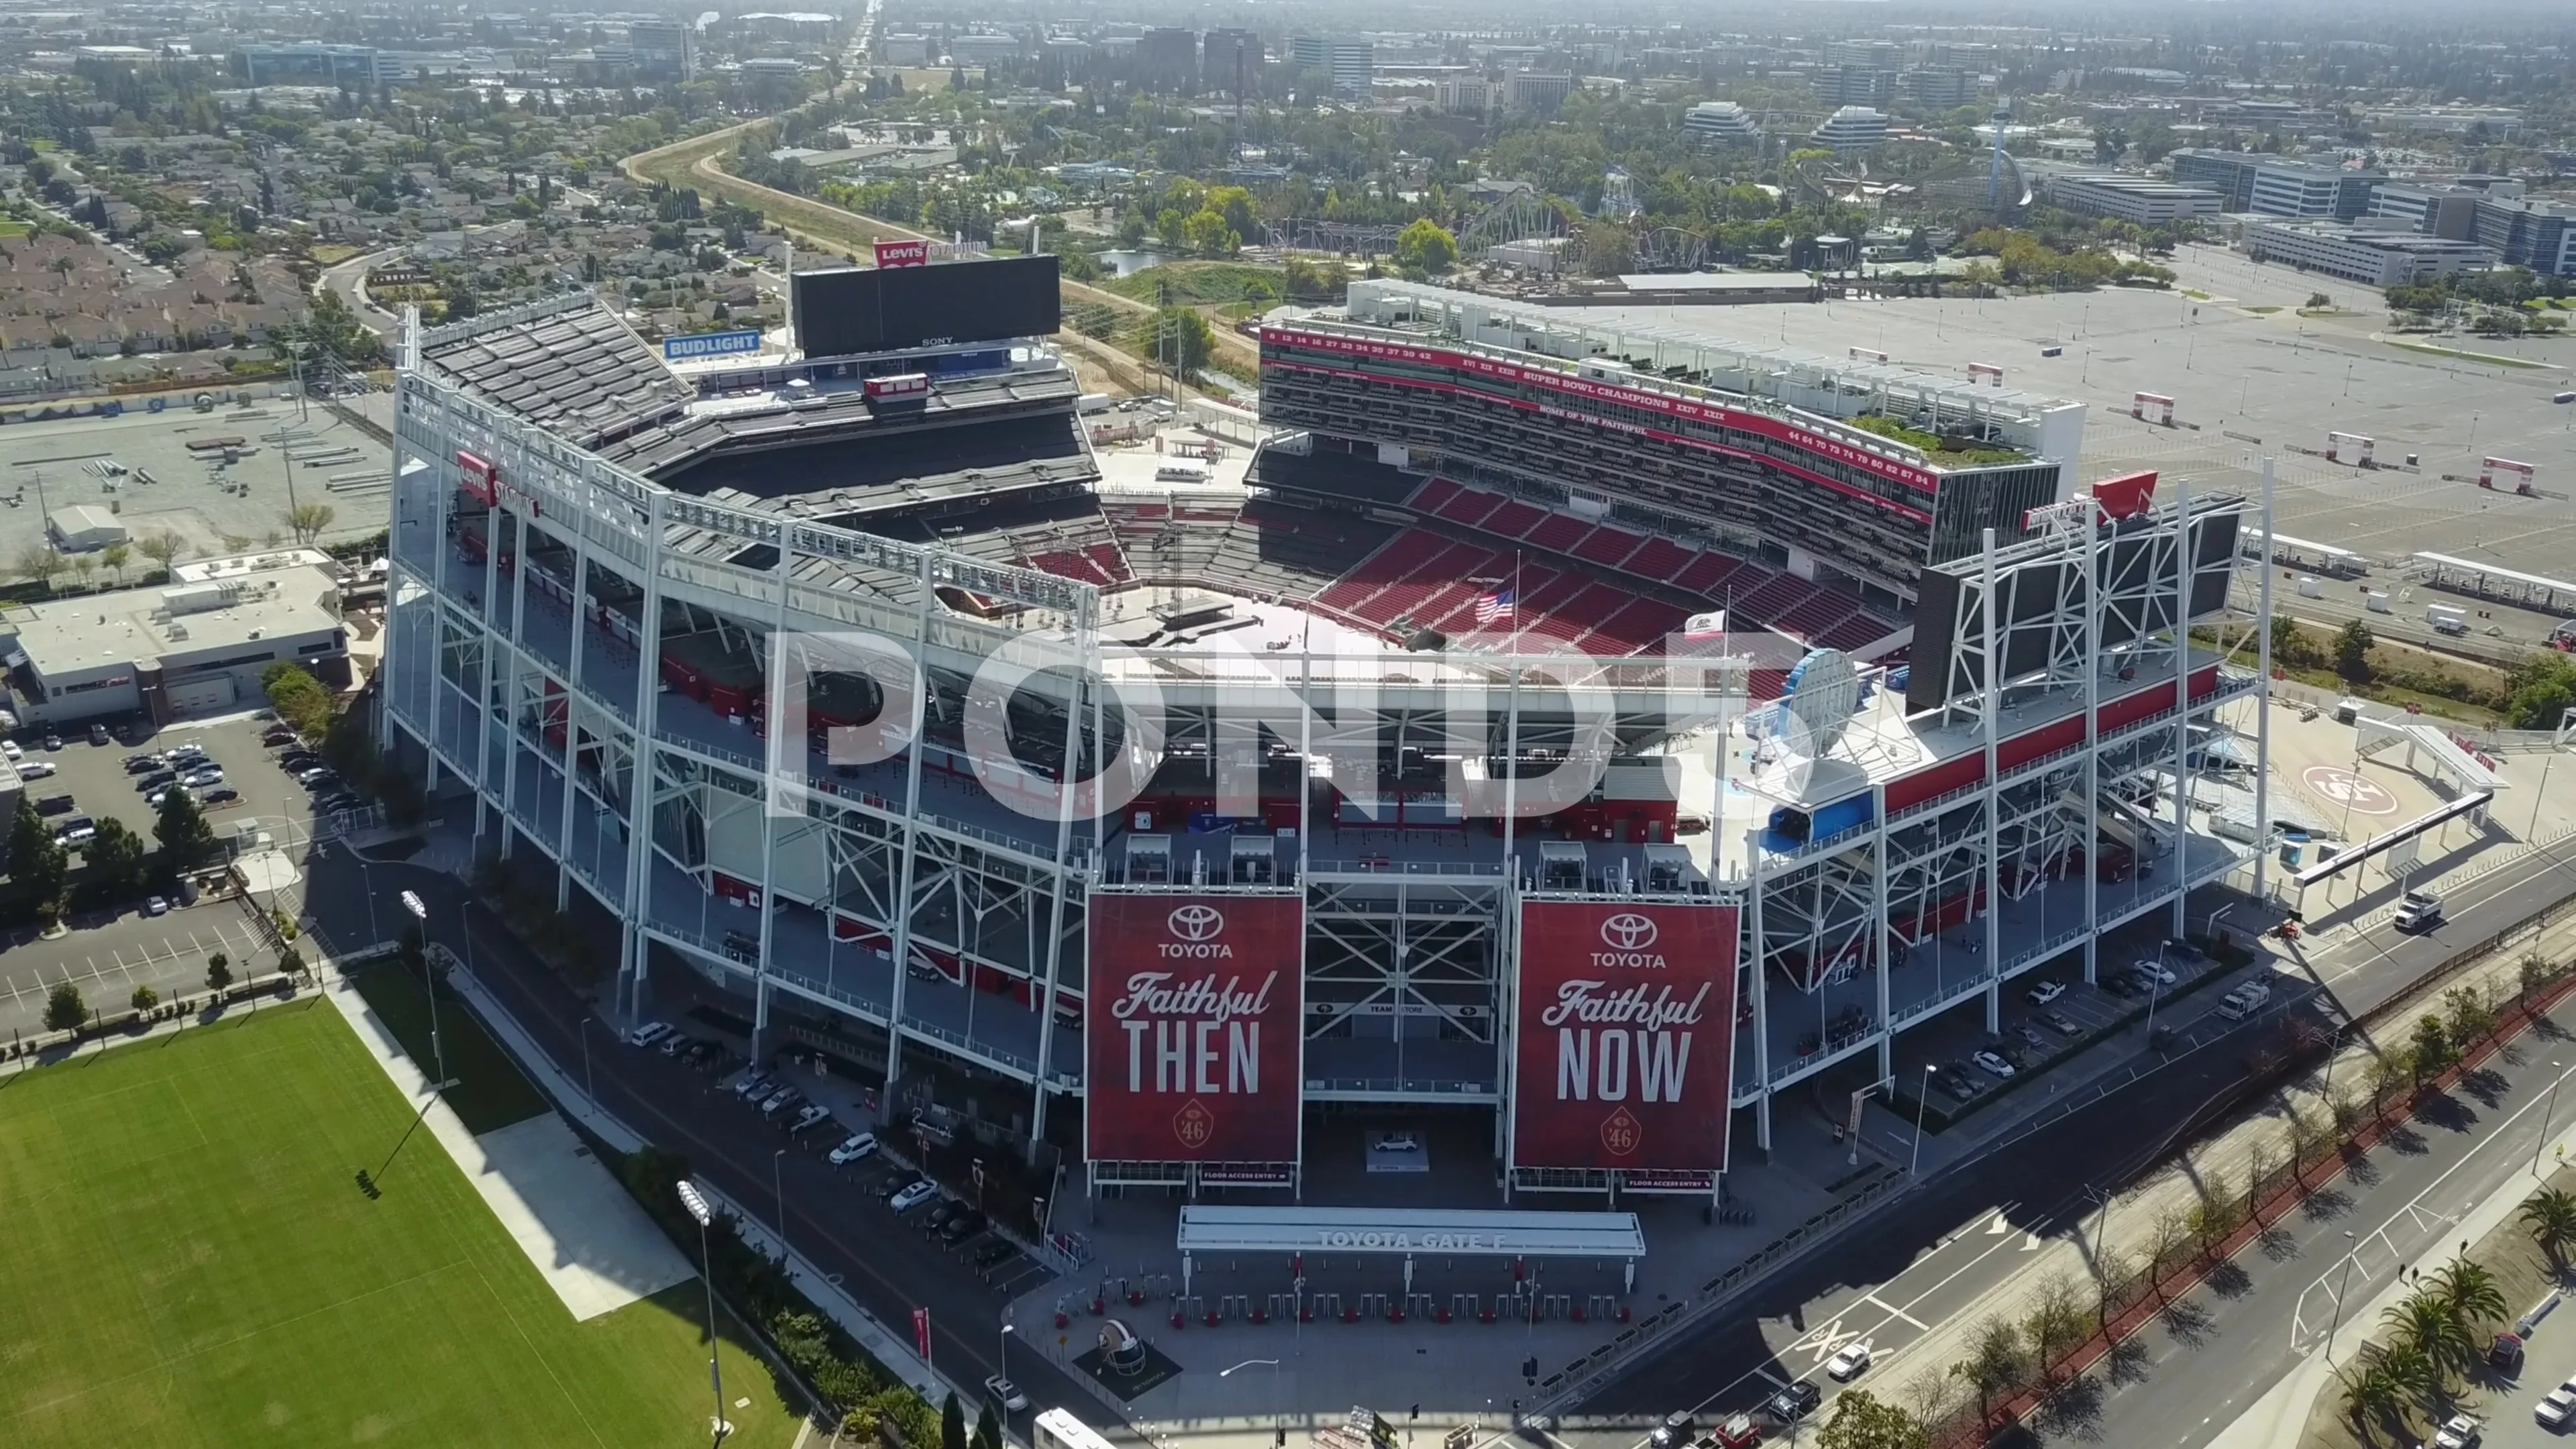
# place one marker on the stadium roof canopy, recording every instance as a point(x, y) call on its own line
point(1450, 1232)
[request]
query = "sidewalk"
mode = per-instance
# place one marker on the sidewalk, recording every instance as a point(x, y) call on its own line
point(2136, 1217)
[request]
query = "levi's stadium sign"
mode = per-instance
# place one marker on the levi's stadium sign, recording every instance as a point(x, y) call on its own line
point(903, 253)
point(1625, 1038)
point(1191, 1025)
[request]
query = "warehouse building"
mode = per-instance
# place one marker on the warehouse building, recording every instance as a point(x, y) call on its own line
point(197, 647)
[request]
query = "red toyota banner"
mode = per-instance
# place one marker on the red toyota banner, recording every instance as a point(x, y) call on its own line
point(1626, 1036)
point(1192, 1011)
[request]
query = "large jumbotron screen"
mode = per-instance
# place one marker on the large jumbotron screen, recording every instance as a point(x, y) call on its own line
point(886, 309)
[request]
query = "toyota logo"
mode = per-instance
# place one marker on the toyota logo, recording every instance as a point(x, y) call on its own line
point(1628, 931)
point(1197, 923)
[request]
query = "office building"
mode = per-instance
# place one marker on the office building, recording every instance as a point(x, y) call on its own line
point(1349, 64)
point(2361, 254)
point(2450, 212)
point(1938, 90)
point(1865, 54)
point(1852, 128)
point(195, 647)
point(1721, 122)
point(1226, 54)
point(1167, 59)
point(1530, 90)
point(2295, 188)
point(661, 49)
point(984, 48)
point(2138, 199)
point(2229, 173)
point(1855, 86)
point(2540, 235)
point(312, 61)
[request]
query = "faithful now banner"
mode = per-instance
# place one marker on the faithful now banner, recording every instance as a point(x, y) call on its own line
point(1625, 1036)
point(1190, 1028)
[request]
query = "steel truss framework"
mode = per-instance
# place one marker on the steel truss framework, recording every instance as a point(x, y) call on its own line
point(555, 717)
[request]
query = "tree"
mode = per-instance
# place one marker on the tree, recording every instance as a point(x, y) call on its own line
point(1606, 250)
point(2550, 1218)
point(988, 1428)
point(2287, 646)
point(2469, 1292)
point(186, 839)
point(309, 519)
point(1996, 1363)
point(1862, 1421)
point(952, 1423)
point(2374, 1396)
point(2470, 1016)
point(41, 562)
point(37, 861)
point(2054, 1323)
point(2352, 645)
point(116, 856)
point(1425, 246)
point(1181, 340)
point(64, 1009)
point(219, 971)
point(115, 558)
point(2419, 1323)
point(2432, 1047)
point(145, 998)
point(290, 962)
point(161, 548)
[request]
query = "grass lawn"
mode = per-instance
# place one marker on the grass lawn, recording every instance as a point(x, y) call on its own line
point(490, 1091)
point(188, 1262)
point(12, 229)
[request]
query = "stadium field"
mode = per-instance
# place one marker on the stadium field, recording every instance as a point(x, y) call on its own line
point(186, 1259)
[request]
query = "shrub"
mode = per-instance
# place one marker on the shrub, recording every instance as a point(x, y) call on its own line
point(145, 998)
point(64, 1009)
point(219, 971)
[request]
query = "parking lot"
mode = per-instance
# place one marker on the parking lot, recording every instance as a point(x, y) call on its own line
point(108, 953)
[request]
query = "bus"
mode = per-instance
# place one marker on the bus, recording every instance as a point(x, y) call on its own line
point(1059, 1429)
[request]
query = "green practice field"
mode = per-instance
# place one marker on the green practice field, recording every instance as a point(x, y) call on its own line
point(186, 1260)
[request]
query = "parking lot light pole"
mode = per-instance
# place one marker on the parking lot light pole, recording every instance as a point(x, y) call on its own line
point(2545, 1112)
point(589, 1083)
point(428, 982)
point(778, 1182)
point(695, 1203)
point(1003, 1371)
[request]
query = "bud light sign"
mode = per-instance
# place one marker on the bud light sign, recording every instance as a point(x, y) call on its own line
point(1192, 1028)
point(1625, 1038)
point(903, 253)
point(710, 344)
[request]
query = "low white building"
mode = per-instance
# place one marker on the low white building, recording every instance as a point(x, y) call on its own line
point(82, 528)
point(2137, 199)
point(1718, 123)
point(1852, 128)
point(195, 647)
point(2372, 256)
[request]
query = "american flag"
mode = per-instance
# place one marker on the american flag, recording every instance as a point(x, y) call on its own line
point(1494, 608)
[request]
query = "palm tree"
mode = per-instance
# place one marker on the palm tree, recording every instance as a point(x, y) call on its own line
point(2372, 1397)
point(2422, 1324)
point(2550, 1218)
point(2469, 1292)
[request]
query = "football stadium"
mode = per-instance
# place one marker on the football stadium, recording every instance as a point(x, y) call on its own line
point(1581, 734)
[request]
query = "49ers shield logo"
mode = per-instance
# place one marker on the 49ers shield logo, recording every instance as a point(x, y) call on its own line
point(1194, 1124)
point(1620, 1133)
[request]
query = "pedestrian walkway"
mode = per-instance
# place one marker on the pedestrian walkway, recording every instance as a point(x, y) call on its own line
point(2125, 1231)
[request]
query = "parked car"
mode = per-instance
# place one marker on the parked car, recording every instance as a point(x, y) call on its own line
point(1849, 1364)
point(2459, 1432)
point(2504, 1354)
point(54, 805)
point(277, 734)
point(814, 1115)
point(2554, 1411)
point(994, 1252)
point(35, 769)
point(920, 970)
point(204, 779)
point(675, 1043)
point(1992, 1063)
point(906, 1199)
point(1736, 1431)
point(940, 1215)
point(2030, 1034)
point(76, 834)
point(780, 1101)
point(1674, 1431)
point(143, 764)
point(1005, 1393)
point(963, 1226)
point(753, 1085)
point(1796, 1401)
point(1960, 1088)
point(854, 1149)
point(53, 741)
point(12, 749)
point(156, 780)
point(296, 762)
point(2156, 971)
point(644, 1034)
point(220, 795)
point(156, 906)
point(2046, 992)
point(2058, 1022)
point(315, 779)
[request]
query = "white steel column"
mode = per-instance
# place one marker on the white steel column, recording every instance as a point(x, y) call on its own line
point(1992, 719)
point(2185, 566)
point(2092, 856)
point(2263, 700)
point(1886, 933)
point(1086, 630)
point(1761, 986)
point(908, 832)
point(634, 948)
point(791, 755)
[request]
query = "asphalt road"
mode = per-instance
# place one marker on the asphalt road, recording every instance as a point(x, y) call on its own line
point(1943, 1248)
point(836, 1225)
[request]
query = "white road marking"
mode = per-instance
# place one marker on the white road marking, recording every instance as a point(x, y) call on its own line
point(1892, 1310)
